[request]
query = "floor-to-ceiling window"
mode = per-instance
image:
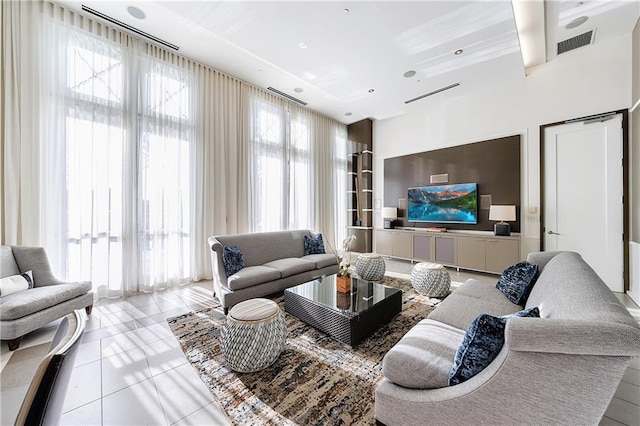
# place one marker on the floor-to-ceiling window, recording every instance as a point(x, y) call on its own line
point(116, 140)
point(118, 160)
point(269, 165)
point(289, 169)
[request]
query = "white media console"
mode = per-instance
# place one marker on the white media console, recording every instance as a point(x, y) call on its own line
point(478, 251)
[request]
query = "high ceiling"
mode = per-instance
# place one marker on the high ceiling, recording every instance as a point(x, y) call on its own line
point(348, 59)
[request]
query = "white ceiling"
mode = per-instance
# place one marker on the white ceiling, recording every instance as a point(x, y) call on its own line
point(369, 47)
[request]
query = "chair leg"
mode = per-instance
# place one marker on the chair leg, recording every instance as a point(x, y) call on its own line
point(88, 309)
point(14, 343)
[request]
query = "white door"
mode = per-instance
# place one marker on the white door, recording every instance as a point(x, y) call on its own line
point(583, 207)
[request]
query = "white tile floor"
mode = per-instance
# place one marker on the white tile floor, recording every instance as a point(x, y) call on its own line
point(130, 369)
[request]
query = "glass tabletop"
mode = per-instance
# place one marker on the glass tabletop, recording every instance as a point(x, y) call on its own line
point(363, 295)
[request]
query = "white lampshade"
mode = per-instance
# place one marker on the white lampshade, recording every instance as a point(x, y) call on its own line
point(389, 212)
point(502, 213)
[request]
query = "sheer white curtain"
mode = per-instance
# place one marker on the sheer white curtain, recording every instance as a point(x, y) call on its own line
point(269, 157)
point(298, 172)
point(302, 205)
point(117, 160)
point(330, 179)
point(84, 151)
point(222, 162)
point(166, 151)
point(20, 122)
point(141, 154)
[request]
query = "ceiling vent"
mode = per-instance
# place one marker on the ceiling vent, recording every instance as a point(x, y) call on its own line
point(451, 86)
point(572, 43)
point(286, 96)
point(129, 27)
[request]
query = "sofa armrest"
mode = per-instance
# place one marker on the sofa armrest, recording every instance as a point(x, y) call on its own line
point(570, 336)
point(217, 266)
point(558, 388)
point(35, 259)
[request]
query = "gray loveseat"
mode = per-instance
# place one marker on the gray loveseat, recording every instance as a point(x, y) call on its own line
point(561, 368)
point(27, 310)
point(273, 261)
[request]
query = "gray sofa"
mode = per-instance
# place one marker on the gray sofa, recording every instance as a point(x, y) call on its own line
point(561, 368)
point(50, 299)
point(273, 261)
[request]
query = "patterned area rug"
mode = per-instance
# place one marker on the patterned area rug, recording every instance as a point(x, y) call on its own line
point(316, 380)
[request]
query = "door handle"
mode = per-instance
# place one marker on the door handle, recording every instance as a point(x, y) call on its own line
point(552, 233)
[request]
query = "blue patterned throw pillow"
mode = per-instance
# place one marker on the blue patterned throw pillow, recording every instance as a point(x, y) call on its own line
point(313, 245)
point(232, 259)
point(481, 344)
point(517, 281)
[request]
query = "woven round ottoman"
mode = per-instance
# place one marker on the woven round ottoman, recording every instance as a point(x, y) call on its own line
point(430, 279)
point(253, 336)
point(370, 266)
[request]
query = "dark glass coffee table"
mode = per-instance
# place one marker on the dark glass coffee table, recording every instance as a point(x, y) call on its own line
point(347, 317)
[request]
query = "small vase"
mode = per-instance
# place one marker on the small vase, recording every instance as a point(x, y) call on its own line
point(343, 283)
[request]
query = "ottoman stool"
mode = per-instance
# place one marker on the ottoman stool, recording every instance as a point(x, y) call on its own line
point(430, 279)
point(370, 266)
point(253, 336)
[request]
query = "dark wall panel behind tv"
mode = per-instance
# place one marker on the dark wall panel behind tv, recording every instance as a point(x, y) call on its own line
point(494, 165)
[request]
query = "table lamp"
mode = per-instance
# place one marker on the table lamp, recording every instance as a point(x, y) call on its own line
point(389, 214)
point(503, 214)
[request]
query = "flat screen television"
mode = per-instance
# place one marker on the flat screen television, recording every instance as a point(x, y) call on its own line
point(457, 203)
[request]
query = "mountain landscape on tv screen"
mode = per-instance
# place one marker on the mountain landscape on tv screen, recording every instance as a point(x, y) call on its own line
point(444, 203)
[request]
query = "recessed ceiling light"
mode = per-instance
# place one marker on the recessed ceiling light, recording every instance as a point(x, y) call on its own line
point(345, 10)
point(303, 45)
point(576, 22)
point(372, 90)
point(409, 74)
point(348, 114)
point(458, 52)
point(136, 12)
point(298, 90)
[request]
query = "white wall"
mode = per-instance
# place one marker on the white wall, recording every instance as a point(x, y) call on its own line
point(588, 81)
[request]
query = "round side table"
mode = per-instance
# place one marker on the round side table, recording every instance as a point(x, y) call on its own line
point(431, 279)
point(370, 266)
point(253, 336)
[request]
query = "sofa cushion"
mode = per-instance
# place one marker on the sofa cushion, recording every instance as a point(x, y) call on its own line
point(15, 283)
point(291, 266)
point(423, 358)
point(477, 297)
point(23, 303)
point(232, 259)
point(252, 275)
point(481, 344)
point(313, 245)
point(321, 260)
point(517, 280)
